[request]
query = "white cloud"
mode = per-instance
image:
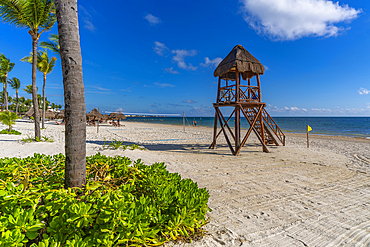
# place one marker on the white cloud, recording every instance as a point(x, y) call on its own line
point(293, 19)
point(91, 63)
point(170, 70)
point(180, 58)
point(152, 19)
point(211, 63)
point(189, 101)
point(163, 84)
point(160, 48)
point(363, 91)
point(87, 18)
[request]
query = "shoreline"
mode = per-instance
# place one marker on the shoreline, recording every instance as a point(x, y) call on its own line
point(292, 195)
point(244, 130)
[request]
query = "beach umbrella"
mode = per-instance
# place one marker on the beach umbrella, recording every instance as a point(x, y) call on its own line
point(60, 114)
point(94, 114)
point(105, 117)
point(30, 112)
point(239, 58)
point(117, 115)
point(49, 114)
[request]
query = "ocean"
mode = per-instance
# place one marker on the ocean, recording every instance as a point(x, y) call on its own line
point(342, 126)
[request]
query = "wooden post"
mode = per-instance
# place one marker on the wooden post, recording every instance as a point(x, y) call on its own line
point(237, 111)
point(249, 88)
point(218, 90)
point(259, 87)
point(308, 144)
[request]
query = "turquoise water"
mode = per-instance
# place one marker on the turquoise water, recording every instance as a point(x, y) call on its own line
point(344, 126)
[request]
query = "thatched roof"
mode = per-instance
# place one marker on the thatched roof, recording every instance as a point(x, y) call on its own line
point(241, 60)
point(49, 114)
point(117, 115)
point(105, 117)
point(60, 114)
point(31, 112)
point(94, 114)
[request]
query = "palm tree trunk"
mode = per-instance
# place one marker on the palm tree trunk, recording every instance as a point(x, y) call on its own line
point(34, 90)
point(74, 93)
point(16, 108)
point(5, 91)
point(43, 100)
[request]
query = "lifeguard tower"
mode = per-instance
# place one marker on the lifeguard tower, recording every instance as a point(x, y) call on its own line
point(235, 89)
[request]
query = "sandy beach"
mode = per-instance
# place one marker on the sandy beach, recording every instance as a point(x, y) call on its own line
point(292, 196)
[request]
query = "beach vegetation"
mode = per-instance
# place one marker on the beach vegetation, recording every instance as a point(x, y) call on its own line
point(115, 144)
point(29, 139)
point(123, 203)
point(12, 132)
point(37, 17)
point(8, 118)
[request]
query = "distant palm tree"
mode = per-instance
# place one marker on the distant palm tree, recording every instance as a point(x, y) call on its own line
point(52, 44)
point(38, 16)
point(74, 93)
point(45, 66)
point(28, 89)
point(15, 83)
point(22, 100)
point(5, 67)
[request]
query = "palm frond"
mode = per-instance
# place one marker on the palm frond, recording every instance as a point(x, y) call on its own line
point(11, 11)
point(15, 83)
point(51, 46)
point(5, 65)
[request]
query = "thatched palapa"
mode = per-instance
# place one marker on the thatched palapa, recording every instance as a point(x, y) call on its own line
point(94, 115)
point(30, 112)
point(241, 60)
point(49, 114)
point(117, 115)
point(60, 114)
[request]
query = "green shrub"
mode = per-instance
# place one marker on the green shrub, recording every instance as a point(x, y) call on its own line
point(12, 132)
point(36, 139)
point(124, 203)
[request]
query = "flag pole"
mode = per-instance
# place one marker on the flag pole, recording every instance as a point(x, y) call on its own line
point(308, 144)
point(308, 130)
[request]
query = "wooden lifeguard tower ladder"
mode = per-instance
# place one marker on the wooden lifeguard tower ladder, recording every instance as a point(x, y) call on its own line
point(237, 69)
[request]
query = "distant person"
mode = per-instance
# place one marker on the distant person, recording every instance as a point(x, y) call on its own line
point(195, 123)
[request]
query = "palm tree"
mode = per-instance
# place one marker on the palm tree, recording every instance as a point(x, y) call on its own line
point(38, 16)
point(28, 89)
point(52, 44)
point(74, 93)
point(15, 83)
point(8, 118)
point(5, 67)
point(22, 100)
point(45, 66)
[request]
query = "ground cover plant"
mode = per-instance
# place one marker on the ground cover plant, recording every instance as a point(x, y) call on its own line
point(12, 132)
point(124, 203)
point(36, 139)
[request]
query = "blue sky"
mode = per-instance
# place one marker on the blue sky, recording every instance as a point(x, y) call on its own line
point(159, 56)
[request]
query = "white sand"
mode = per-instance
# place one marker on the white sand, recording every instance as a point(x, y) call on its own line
point(292, 196)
